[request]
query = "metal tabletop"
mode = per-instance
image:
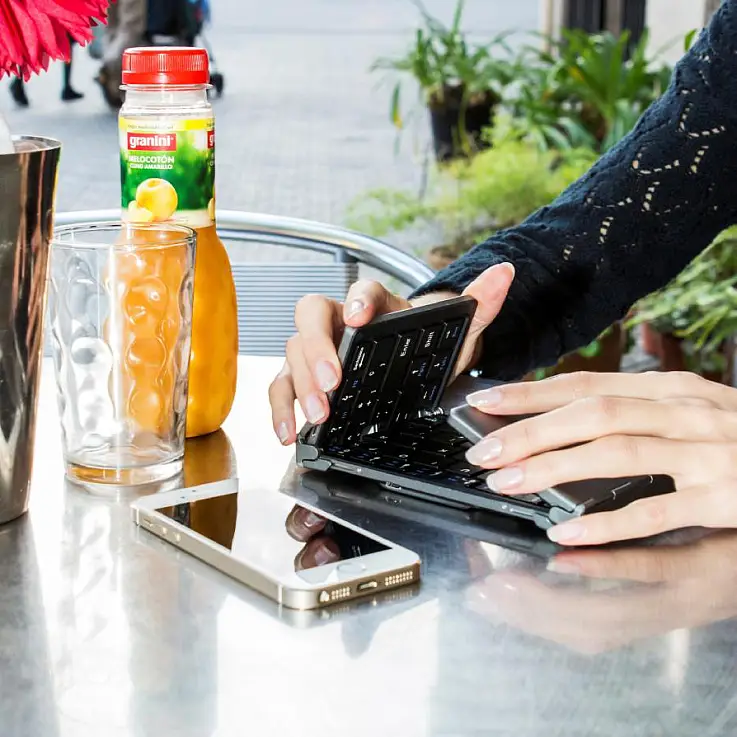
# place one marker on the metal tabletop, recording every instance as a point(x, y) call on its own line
point(106, 630)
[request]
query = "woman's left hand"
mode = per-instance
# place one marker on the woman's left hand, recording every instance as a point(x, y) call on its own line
point(675, 424)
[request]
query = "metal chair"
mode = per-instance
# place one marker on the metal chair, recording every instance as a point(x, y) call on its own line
point(268, 289)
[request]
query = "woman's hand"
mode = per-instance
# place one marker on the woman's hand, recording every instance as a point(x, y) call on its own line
point(606, 599)
point(676, 424)
point(312, 368)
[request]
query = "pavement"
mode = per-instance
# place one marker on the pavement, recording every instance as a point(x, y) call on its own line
point(302, 127)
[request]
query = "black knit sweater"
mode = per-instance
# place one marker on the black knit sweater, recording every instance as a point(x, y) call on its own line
point(627, 227)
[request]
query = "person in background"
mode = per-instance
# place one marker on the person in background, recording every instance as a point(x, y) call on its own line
point(554, 283)
point(68, 93)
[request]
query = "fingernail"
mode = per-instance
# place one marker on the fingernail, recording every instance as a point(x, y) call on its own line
point(326, 376)
point(354, 308)
point(562, 566)
point(567, 532)
point(507, 478)
point(485, 398)
point(314, 410)
point(283, 433)
point(485, 451)
point(324, 555)
point(313, 520)
point(507, 266)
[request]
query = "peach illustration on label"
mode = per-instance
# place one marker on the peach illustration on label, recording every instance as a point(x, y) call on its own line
point(158, 197)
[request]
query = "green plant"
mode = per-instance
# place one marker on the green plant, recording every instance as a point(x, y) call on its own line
point(589, 90)
point(446, 66)
point(699, 305)
point(469, 199)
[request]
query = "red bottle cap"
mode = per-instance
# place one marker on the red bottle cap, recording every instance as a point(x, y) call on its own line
point(165, 65)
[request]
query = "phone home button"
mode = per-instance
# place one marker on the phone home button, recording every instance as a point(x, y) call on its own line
point(351, 568)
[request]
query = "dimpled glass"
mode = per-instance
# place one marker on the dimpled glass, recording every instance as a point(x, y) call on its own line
point(120, 313)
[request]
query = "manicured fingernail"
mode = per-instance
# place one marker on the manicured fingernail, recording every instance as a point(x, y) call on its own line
point(485, 398)
point(314, 409)
point(354, 308)
point(507, 478)
point(283, 433)
point(326, 376)
point(562, 566)
point(323, 555)
point(567, 532)
point(313, 520)
point(487, 450)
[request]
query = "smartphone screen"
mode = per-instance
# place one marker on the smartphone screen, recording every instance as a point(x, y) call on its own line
point(269, 530)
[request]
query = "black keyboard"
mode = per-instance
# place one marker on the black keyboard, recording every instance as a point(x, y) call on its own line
point(391, 378)
point(385, 413)
point(427, 449)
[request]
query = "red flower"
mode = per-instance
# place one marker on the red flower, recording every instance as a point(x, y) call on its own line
point(35, 32)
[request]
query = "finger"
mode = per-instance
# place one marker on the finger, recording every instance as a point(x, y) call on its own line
point(317, 320)
point(318, 552)
point(281, 398)
point(489, 290)
point(312, 399)
point(698, 507)
point(618, 456)
point(303, 524)
point(600, 416)
point(366, 299)
point(657, 564)
point(531, 397)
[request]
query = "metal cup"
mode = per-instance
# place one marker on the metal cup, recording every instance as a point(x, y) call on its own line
point(27, 188)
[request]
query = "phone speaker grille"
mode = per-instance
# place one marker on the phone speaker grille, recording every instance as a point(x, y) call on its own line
point(399, 578)
point(341, 593)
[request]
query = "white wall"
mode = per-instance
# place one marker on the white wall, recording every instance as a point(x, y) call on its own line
point(670, 20)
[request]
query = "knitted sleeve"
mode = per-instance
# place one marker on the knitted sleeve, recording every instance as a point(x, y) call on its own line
point(628, 226)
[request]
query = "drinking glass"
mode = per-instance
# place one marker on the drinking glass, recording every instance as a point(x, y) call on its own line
point(120, 313)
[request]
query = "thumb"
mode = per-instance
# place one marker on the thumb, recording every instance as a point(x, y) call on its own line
point(489, 290)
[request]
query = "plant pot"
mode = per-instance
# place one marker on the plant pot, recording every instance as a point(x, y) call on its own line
point(651, 340)
point(673, 357)
point(457, 133)
point(440, 256)
point(607, 360)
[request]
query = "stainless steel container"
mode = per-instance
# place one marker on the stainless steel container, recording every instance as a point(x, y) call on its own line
point(27, 187)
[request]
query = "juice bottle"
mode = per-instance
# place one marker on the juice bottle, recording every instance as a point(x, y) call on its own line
point(167, 164)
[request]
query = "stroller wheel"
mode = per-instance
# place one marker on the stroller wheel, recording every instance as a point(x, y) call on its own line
point(218, 82)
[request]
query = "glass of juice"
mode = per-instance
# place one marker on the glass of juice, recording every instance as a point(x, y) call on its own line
point(120, 314)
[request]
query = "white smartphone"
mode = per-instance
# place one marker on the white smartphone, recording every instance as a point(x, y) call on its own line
point(293, 553)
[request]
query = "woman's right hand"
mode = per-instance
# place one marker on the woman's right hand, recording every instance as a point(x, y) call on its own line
point(312, 368)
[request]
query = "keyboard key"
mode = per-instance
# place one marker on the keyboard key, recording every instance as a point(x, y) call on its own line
point(387, 406)
point(439, 366)
point(402, 359)
point(451, 335)
point(380, 360)
point(418, 370)
point(429, 338)
point(464, 468)
point(429, 396)
point(359, 360)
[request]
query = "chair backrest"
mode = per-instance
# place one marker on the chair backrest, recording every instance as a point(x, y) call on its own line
point(269, 292)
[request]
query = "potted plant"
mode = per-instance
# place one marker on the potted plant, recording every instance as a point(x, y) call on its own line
point(693, 320)
point(460, 83)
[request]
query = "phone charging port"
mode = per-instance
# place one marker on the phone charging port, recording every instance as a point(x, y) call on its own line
point(367, 585)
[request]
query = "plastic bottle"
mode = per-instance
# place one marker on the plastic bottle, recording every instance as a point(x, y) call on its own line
point(167, 145)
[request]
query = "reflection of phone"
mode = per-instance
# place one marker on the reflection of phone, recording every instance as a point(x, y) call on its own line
point(242, 533)
point(475, 524)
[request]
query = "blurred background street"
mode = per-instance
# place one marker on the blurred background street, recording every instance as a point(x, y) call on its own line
point(302, 127)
